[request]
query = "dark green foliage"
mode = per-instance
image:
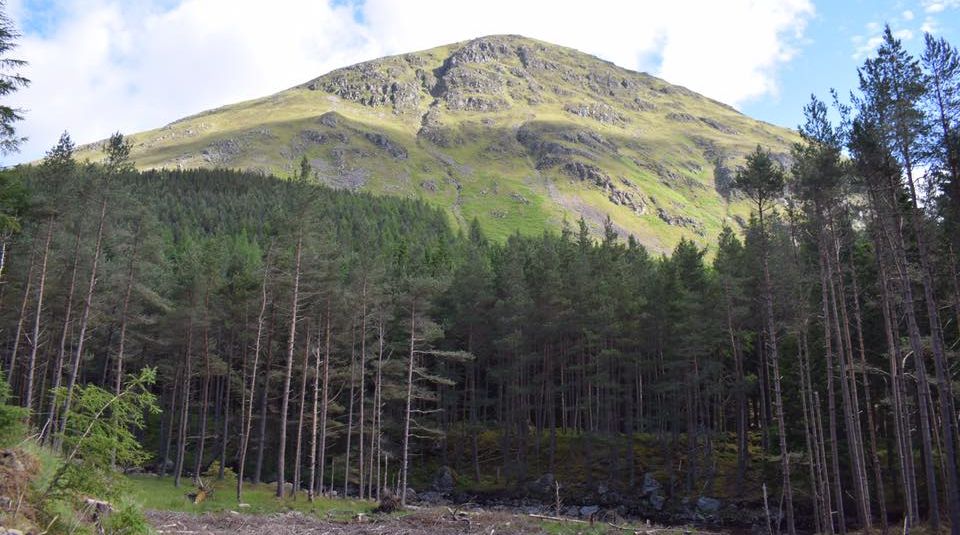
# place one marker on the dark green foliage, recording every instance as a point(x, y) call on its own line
point(117, 150)
point(10, 80)
point(12, 416)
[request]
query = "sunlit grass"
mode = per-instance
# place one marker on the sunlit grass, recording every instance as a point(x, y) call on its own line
point(159, 493)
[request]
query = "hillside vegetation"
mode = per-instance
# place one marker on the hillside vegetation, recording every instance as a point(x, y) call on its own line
point(518, 133)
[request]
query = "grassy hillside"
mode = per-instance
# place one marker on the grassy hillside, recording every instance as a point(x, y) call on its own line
point(519, 133)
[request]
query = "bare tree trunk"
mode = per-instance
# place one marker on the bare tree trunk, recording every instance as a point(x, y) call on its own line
point(225, 430)
point(813, 460)
point(831, 401)
point(184, 408)
point(35, 338)
point(871, 421)
point(948, 413)
point(847, 392)
point(773, 352)
point(265, 399)
point(892, 225)
point(324, 405)
point(291, 344)
point(311, 490)
point(743, 450)
point(303, 399)
point(409, 405)
point(900, 415)
point(353, 364)
point(124, 313)
point(171, 421)
point(204, 396)
point(18, 335)
point(363, 361)
point(377, 414)
point(828, 515)
point(52, 421)
point(248, 418)
point(84, 319)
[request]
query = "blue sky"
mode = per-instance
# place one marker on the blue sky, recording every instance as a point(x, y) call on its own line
point(836, 41)
point(100, 66)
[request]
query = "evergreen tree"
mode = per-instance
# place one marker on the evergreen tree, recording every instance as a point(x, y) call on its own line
point(10, 81)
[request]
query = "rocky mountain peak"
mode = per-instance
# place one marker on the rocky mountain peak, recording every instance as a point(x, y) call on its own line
point(517, 132)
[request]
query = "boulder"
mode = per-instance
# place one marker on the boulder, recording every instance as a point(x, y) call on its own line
point(430, 497)
point(543, 485)
point(443, 480)
point(588, 511)
point(707, 505)
point(650, 486)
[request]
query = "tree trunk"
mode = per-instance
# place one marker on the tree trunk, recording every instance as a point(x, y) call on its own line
point(18, 335)
point(773, 353)
point(124, 311)
point(184, 408)
point(35, 339)
point(52, 420)
point(248, 418)
point(409, 405)
point(831, 401)
point(325, 401)
point(84, 319)
point(363, 361)
point(353, 364)
point(871, 420)
point(303, 399)
point(311, 489)
point(204, 397)
point(291, 344)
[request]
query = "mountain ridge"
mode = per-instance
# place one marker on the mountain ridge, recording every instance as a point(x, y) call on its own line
point(516, 132)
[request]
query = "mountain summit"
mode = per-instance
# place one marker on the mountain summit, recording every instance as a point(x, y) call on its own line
point(519, 133)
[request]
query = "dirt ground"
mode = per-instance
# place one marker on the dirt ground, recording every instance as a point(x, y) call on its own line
point(432, 522)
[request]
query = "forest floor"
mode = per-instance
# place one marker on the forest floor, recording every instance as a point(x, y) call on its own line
point(432, 521)
point(170, 511)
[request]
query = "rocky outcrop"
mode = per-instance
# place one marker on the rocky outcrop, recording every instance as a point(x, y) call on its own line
point(590, 139)
point(433, 130)
point(374, 83)
point(718, 126)
point(633, 201)
point(603, 113)
point(391, 147)
point(330, 119)
point(226, 150)
point(680, 221)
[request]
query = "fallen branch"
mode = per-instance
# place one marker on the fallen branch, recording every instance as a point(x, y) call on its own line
point(558, 519)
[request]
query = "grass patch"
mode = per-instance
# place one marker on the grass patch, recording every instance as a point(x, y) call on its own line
point(158, 493)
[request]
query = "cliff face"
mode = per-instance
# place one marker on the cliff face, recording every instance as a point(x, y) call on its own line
point(519, 133)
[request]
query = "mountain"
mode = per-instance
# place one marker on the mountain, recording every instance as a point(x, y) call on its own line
point(519, 133)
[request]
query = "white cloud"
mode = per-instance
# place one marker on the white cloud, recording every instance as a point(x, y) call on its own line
point(865, 46)
point(930, 25)
point(907, 15)
point(937, 6)
point(108, 65)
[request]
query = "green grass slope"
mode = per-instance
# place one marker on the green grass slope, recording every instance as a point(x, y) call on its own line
point(519, 133)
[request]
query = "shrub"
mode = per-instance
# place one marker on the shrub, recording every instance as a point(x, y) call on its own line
point(12, 426)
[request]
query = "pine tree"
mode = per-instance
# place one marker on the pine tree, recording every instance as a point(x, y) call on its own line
point(10, 81)
point(762, 180)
